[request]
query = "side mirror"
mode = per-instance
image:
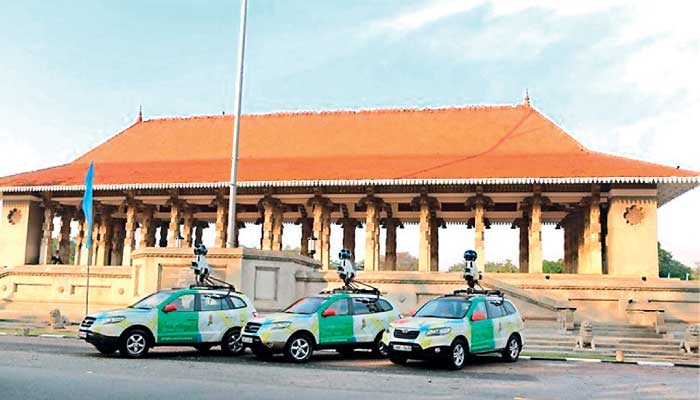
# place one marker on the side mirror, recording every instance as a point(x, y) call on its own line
point(170, 307)
point(328, 312)
point(411, 313)
point(478, 316)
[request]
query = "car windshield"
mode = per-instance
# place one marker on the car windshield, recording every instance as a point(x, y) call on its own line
point(152, 300)
point(446, 307)
point(307, 305)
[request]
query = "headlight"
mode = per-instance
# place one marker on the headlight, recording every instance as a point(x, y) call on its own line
point(280, 325)
point(438, 331)
point(114, 320)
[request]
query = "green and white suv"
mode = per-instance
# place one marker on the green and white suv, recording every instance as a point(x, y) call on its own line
point(344, 321)
point(198, 317)
point(454, 326)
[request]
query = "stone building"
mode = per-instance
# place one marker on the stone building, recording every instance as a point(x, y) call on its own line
point(380, 169)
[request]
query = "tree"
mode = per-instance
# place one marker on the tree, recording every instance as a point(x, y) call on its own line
point(668, 266)
point(553, 267)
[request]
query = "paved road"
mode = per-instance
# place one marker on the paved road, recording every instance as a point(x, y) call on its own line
point(43, 368)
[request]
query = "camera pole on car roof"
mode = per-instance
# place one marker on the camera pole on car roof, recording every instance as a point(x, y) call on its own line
point(236, 130)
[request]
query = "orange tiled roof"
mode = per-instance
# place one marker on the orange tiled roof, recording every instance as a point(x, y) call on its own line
point(500, 142)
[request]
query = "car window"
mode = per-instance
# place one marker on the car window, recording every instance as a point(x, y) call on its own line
point(208, 302)
point(341, 307)
point(360, 307)
point(494, 309)
point(307, 305)
point(236, 302)
point(384, 305)
point(184, 302)
point(479, 307)
point(510, 309)
point(152, 300)
point(444, 307)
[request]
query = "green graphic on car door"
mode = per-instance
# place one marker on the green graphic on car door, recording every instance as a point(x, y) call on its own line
point(180, 325)
point(336, 328)
point(482, 331)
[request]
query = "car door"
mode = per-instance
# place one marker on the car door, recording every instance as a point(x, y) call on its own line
point(216, 315)
point(336, 328)
point(363, 319)
point(494, 309)
point(481, 331)
point(180, 325)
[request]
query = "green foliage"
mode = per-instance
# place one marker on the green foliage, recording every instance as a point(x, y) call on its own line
point(497, 267)
point(553, 267)
point(670, 266)
point(71, 257)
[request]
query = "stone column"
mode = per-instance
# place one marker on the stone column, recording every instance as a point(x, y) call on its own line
point(321, 210)
point(148, 228)
point(163, 239)
point(118, 236)
point(435, 224)
point(64, 236)
point(390, 224)
point(349, 225)
point(129, 234)
point(80, 241)
point(272, 223)
point(534, 236)
point(524, 257)
point(372, 233)
point(47, 230)
point(426, 206)
point(479, 234)
point(567, 245)
point(187, 226)
point(591, 236)
point(221, 222)
point(174, 224)
point(104, 240)
point(95, 239)
point(307, 225)
point(198, 232)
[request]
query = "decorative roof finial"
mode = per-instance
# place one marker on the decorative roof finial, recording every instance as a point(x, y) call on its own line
point(140, 117)
point(526, 100)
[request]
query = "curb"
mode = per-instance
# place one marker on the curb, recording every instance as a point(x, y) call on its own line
point(595, 360)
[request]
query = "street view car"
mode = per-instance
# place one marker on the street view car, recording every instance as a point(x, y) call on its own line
point(452, 327)
point(198, 317)
point(343, 321)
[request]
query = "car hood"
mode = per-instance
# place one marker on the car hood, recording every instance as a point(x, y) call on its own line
point(126, 312)
point(276, 317)
point(421, 323)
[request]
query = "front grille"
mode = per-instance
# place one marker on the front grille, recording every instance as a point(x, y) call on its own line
point(87, 322)
point(252, 327)
point(405, 334)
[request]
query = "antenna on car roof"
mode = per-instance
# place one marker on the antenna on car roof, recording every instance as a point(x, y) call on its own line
point(347, 272)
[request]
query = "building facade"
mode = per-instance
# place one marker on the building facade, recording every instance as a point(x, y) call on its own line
point(381, 169)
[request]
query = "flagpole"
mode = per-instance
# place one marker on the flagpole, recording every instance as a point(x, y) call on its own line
point(236, 130)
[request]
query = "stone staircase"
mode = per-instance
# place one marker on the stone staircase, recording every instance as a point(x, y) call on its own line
point(637, 343)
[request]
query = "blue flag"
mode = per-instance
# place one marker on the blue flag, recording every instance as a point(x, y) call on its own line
point(87, 204)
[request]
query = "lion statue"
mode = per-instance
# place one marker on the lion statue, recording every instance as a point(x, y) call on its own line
point(691, 339)
point(584, 340)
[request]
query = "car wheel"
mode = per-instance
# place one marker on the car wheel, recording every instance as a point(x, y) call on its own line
point(203, 348)
point(299, 348)
point(106, 349)
point(512, 351)
point(458, 354)
point(398, 359)
point(379, 349)
point(231, 343)
point(134, 344)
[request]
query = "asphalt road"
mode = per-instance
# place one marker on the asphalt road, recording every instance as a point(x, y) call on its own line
point(50, 368)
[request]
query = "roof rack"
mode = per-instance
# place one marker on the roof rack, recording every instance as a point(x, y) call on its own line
point(353, 288)
point(470, 291)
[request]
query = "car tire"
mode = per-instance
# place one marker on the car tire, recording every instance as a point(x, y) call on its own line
point(231, 342)
point(398, 359)
point(379, 349)
point(299, 348)
point(512, 351)
point(106, 349)
point(457, 356)
point(202, 347)
point(135, 343)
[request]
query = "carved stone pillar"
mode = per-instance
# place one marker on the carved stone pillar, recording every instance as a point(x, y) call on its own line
point(95, 237)
point(148, 228)
point(427, 231)
point(129, 234)
point(479, 204)
point(104, 241)
point(221, 221)
point(349, 226)
point(118, 236)
point(591, 235)
point(524, 257)
point(174, 223)
point(321, 210)
point(80, 242)
point(374, 207)
point(198, 232)
point(187, 226)
point(64, 235)
point(390, 224)
point(272, 210)
point(533, 206)
point(47, 230)
point(163, 239)
point(307, 225)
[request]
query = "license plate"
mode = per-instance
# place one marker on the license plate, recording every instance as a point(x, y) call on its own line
point(246, 339)
point(82, 335)
point(400, 347)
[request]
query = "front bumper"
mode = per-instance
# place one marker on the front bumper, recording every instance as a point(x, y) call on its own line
point(98, 340)
point(416, 351)
point(253, 341)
